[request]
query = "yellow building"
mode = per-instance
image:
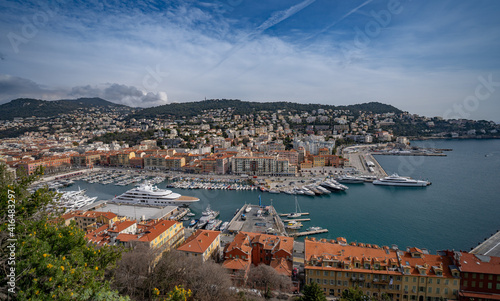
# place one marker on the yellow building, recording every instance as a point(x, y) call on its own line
point(203, 244)
point(402, 276)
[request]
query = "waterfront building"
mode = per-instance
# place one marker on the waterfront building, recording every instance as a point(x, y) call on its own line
point(291, 155)
point(202, 244)
point(53, 162)
point(121, 158)
point(87, 159)
point(260, 166)
point(90, 219)
point(480, 276)
point(401, 275)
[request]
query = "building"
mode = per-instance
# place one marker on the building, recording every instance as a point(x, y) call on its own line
point(88, 159)
point(90, 219)
point(480, 276)
point(256, 248)
point(410, 275)
point(260, 166)
point(54, 162)
point(203, 244)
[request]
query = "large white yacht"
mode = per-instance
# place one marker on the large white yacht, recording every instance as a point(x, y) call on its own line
point(147, 194)
point(396, 180)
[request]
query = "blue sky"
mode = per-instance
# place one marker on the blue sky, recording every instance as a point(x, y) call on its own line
point(433, 58)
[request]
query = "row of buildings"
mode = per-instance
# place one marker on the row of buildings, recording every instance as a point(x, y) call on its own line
point(412, 274)
point(274, 162)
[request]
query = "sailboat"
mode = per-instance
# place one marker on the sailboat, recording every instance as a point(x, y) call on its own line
point(297, 212)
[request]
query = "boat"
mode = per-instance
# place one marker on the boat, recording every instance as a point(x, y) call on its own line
point(369, 179)
point(248, 209)
point(193, 222)
point(314, 228)
point(147, 194)
point(294, 225)
point(308, 192)
point(207, 216)
point(297, 212)
point(396, 180)
point(190, 214)
point(350, 179)
point(224, 226)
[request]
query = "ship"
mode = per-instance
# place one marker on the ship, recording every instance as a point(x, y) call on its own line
point(396, 180)
point(147, 194)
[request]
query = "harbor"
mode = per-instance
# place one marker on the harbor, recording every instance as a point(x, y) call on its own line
point(366, 212)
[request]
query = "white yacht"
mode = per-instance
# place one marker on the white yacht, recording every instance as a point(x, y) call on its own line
point(350, 179)
point(147, 194)
point(396, 180)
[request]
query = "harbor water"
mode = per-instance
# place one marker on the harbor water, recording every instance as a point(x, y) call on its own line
point(459, 210)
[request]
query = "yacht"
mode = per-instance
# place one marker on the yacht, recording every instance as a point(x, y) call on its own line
point(147, 194)
point(350, 179)
point(207, 216)
point(396, 180)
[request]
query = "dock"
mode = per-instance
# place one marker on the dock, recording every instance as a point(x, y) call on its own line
point(297, 234)
point(489, 247)
point(286, 214)
point(297, 220)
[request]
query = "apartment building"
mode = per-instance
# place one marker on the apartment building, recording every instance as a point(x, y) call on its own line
point(263, 166)
point(202, 244)
point(380, 271)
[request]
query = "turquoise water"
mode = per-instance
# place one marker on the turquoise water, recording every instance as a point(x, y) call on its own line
point(459, 210)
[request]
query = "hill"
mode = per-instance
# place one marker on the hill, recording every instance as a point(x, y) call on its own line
point(245, 107)
point(27, 107)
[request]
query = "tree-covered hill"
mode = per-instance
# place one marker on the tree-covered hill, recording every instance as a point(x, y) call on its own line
point(28, 107)
point(245, 107)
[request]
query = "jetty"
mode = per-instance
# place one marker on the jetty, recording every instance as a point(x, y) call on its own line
point(297, 234)
point(489, 247)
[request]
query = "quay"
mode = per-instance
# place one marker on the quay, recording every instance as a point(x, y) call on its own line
point(489, 247)
point(267, 221)
point(286, 214)
point(297, 234)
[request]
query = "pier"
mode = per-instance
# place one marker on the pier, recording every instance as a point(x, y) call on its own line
point(297, 234)
point(490, 247)
point(266, 222)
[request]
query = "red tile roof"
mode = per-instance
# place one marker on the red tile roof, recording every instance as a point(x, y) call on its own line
point(199, 241)
point(472, 263)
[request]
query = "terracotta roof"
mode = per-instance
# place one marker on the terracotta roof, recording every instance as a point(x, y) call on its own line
point(236, 264)
point(282, 266)
point(479, 263)
point(474, 295)
point(125, 237)
point(199, 241)
point(120, 226)
point(156, 230)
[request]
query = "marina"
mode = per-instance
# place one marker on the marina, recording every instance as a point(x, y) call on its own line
point(372, 213)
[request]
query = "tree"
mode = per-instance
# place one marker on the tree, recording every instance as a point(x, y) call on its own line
point(354, 294)
point(266, 278)
point(49, 260)
point(312, 292)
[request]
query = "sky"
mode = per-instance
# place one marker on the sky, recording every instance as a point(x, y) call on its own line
point(432, 58)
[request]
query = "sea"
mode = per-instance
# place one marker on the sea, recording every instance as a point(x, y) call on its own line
point(458, 211)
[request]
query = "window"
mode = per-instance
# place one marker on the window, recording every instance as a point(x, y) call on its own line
point(480, 284)
point(474, 275)
point(430, 280)
point(332, 274)
point(325, 273)
point(446, 291)
point(325, 282)
point(345, 283)
point(317, 273)
point(406, 279)
point(473, 284)
point(310, 280)
point(437, 290)
point(429, 290)
point(465, 283)
point(455, 282)
point(422, 280)
point(481, 276)
point(318, 281)
point(332, 282)
point(490, 277)
point(332, 292)
point(414, 279)
point(490, 285)
point(446, 282)
point(406, 288)
point(339, 274)
point(347, 275)
point(339, 283)
point(498, 286)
